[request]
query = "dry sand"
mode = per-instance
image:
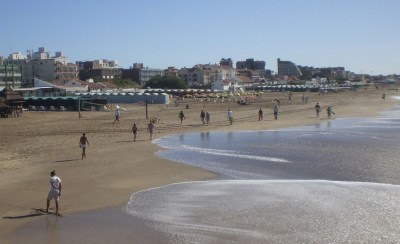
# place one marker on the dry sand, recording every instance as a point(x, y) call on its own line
point(33, 145)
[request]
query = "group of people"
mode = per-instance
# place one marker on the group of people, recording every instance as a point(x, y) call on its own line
point(150, 129)
point(205, 117)
point(329, 110)
point(55, 181)
point(261, 113)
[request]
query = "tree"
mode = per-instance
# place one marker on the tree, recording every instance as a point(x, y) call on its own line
point(166, 82)
point(124, 83)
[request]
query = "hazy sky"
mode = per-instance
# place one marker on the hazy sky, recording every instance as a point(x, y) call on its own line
point(361, 35)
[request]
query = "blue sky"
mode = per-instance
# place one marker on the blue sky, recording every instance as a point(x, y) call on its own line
point(361, 35)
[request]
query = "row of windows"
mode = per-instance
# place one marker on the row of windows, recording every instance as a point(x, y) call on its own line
point(2, 73)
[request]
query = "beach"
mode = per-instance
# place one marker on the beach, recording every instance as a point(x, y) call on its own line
point(116, 167)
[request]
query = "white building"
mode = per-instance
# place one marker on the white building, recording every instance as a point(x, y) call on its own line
point(228, 84)
point(205, 74)
point(147, 74)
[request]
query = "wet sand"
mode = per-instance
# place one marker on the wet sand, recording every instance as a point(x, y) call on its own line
point(116, 167)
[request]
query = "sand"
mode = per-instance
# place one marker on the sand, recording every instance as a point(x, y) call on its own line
point(38, 142)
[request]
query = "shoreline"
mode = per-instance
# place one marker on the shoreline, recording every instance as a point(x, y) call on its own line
point(116, 167)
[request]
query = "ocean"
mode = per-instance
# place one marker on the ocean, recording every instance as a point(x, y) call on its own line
point(333, 182)
point(337, 181)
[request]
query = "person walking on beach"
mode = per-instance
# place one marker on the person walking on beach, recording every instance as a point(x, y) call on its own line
point(208, 117)
point(150, 129)
point(117, 115)
point(383, 96)
point(134, 131)
point(181, 116)
point(329, 111)
point(55, 191)
point(203, 116)
point(317, 109)
point(260, 115)
point(83, 142)
point(276, 111)
point(230, 116)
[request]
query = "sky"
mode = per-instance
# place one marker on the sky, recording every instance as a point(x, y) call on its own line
point(361, 35)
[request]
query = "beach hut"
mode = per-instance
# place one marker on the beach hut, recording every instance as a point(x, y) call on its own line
point(3, 108)
point(12, 103)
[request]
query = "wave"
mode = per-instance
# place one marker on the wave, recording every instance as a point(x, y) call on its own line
point(260, 211)
point(231, 153)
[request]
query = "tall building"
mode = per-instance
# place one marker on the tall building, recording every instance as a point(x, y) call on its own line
point(287, 68)
point(41, 65)
point(250, 64)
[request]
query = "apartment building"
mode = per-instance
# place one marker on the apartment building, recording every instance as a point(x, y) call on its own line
point(287, 68)
point(172, 71)
point(10, 75)
point(140, 74)
point(101, 69)
point(250, 64)
point(205, 74)
point(226, 62)
point(41, 65)
point(192, 76)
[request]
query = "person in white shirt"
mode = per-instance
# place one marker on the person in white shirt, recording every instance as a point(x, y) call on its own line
point(230, 116)
point(55, 191)
point(117, 115)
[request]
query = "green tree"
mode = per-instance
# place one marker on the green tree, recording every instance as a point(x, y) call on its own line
point(125, 83)
point(166, 82)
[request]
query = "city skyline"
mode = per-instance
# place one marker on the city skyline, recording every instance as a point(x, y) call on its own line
point(361, 36)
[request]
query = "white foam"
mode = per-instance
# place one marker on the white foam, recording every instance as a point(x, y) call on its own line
point(259, 211)
point(231, 153)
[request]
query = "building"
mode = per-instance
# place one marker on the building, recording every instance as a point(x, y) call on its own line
point(192, 76)
point(204, 75)
point(140, 74)
point(228, 84)
point(147, 74)
point(41, 65)
point(172, 71)
point(326, 72)
point(101, 69)
point(250, 64)
point(287, 68)
point(226, 62)
point(10, 75)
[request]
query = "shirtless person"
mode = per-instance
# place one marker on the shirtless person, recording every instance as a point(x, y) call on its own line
point(150, 129)
point(317, 109)
point(55, 191)
point(82, 144)
point(134, 131)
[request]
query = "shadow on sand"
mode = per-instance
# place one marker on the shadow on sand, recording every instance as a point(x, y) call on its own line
point(66, 160)
point(35, 213)
point(131, 141)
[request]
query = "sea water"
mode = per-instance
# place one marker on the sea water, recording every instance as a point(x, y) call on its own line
point(336, 181)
